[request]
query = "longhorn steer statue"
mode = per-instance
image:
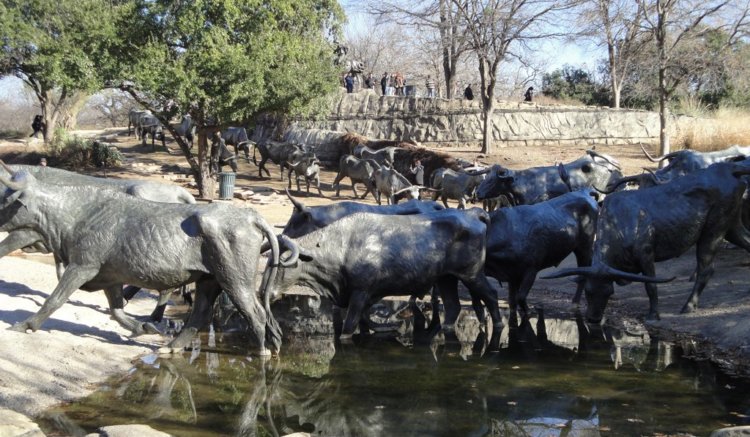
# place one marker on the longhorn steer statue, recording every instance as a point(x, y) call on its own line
point(107, 239)
point(639, 227)
point(134, 120)
point(358, 171)
point(394, 186)
point(309, 168)
point(361, 258)
point(525, 239)
point(305, 219)
point(537, 184)
point(150, 125)
point(237, 137)
point(384, 156)
point(682, 162)
point(278, 153)
point(456, 185)
point(32, 240)
point(186, 129)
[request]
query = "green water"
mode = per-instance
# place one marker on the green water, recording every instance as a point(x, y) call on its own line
point(608, 382)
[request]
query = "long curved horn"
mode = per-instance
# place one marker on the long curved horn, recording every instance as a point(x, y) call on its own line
point(635, 277)
point(660, 158)
point(7, 168)
point(572, 271)
point(403, 190)
point(287, 242)
point(595, 154)
point(15, 186)
point(623, 180)
point(657, 180)
point(434, 190)
point(297, 204)
point(478, 172)
point(605, 272)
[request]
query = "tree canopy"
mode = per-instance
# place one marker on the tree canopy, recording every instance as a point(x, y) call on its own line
point(225, 61)
point(58, 48)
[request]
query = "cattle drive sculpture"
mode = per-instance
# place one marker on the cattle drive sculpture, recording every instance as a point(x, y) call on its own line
point(108, 233)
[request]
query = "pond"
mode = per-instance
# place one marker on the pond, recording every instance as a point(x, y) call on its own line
point(551, 377)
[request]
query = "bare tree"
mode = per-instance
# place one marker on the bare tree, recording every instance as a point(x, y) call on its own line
point(615, 24)
point(492, 27)
point(673, 23)
point(438, 15)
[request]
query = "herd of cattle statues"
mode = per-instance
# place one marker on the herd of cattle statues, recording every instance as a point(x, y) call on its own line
point(106, 234)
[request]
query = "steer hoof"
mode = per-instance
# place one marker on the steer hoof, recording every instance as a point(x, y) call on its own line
point(688, 309)
point(150, 328)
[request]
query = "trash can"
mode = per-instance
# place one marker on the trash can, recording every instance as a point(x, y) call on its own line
point(226, 184)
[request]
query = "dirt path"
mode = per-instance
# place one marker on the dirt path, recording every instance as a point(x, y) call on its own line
point(79, 345)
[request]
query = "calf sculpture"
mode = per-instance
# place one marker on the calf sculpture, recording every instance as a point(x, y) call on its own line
point(361, 258)
point(359, 171)
point(637, 228)
point(107, 239)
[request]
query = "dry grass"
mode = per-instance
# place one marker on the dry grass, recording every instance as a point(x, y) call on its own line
point(716, 131)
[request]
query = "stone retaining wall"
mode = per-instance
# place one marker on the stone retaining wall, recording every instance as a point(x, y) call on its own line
point(438, 120)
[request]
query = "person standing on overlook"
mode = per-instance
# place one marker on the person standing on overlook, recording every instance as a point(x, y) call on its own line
point(430, 85)
point(469, 93)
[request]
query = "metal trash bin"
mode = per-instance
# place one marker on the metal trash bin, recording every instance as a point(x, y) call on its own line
point(226, 184)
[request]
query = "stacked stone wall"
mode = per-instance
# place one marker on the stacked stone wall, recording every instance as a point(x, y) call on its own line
point(457, 121)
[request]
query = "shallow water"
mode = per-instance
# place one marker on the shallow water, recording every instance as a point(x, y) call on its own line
point(551, 377)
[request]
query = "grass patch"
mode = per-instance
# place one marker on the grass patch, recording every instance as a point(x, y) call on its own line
point(13, 134)
point(716, 131)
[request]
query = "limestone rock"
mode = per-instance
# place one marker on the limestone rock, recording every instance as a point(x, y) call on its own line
point(14, 424)
point(128, 431)
point(735, 431)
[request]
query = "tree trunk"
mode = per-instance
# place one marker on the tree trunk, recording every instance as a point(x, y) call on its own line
point(487, 126)
point(71, 108)
point(206, 183)
point(663, 114)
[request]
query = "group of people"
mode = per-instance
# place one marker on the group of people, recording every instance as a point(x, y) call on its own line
point(395, 84)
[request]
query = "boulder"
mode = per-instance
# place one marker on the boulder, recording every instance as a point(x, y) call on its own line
point(14, 424)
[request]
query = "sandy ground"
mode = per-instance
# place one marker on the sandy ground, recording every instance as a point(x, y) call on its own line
point(79, 346)
point(76, 349)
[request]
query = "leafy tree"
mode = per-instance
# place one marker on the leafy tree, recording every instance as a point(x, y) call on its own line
point(225, 61)
point(574, 83)
point(56, 47)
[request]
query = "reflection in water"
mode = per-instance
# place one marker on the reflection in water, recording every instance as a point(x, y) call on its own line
point(551, 377)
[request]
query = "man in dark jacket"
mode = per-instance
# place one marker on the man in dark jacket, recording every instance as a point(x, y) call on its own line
point(469, 93)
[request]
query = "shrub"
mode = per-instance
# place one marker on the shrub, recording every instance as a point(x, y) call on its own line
point(76, 152)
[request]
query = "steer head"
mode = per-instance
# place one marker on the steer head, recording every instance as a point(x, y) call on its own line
point(500, 181)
